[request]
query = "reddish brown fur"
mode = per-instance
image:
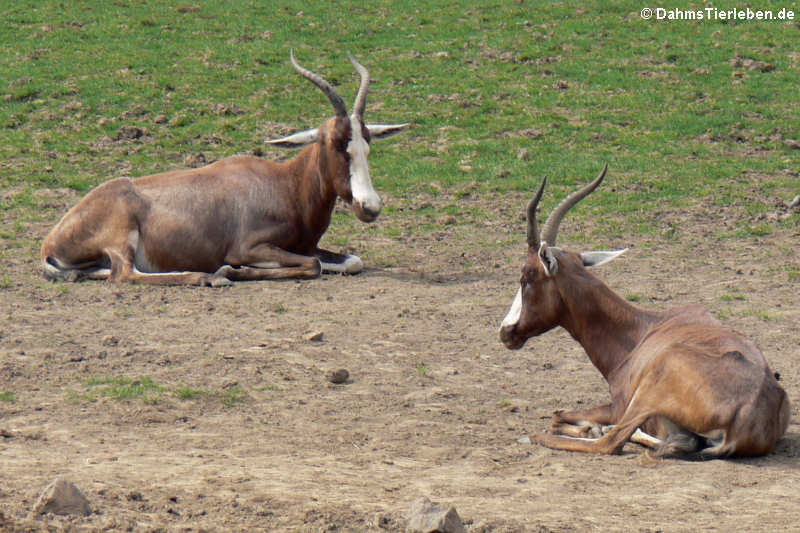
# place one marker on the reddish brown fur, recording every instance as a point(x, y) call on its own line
point(232, 220)
point(676, 374)
point(192, 223)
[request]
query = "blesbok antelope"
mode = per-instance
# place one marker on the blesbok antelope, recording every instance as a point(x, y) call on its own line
point(241, 218)
point(680, 382)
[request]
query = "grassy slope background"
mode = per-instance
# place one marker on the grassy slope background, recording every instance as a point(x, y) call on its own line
point(498, 94)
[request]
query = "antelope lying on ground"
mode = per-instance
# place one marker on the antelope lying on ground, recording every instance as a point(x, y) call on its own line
point(241, 218)
point(687, 383)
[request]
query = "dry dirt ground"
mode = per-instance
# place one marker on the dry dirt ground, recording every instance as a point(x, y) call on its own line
point(435, 406)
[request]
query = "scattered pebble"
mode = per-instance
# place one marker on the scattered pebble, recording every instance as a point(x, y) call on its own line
point(339, 376)
point(426, 516)
point(62, 498)
point(109, 340)
point(314, 336)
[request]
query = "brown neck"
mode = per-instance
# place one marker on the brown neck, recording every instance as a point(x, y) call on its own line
point(313, 191)
point(605, 325)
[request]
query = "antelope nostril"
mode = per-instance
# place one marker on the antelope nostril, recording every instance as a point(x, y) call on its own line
point(371, 213)
point(367, 213)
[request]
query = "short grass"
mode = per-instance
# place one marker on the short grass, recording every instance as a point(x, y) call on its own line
point(144, 389)
point(8, 396)
point(499, 94)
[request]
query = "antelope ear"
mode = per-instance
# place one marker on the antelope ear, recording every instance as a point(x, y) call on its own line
point(548, 259)
point(597, 258)
point(297, 140)
point(383, 131)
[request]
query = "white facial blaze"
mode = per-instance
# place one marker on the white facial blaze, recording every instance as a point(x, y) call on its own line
point(516, 309)
point(360, 182)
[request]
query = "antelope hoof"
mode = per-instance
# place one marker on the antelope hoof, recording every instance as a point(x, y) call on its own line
point(353, 265)
point(221, 278)
point(221, 281)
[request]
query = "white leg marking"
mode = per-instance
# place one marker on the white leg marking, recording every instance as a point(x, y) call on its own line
point(516, 309)
point(351, 265)
point(100, 273)
point(645, 439)
point(266, 264)
point(360, 182)
point(158, 274)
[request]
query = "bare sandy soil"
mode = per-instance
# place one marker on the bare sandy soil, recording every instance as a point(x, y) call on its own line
point(435, 406)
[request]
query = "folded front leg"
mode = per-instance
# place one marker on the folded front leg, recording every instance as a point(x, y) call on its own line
point(586, 423)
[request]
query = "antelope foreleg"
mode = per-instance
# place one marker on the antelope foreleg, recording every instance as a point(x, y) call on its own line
point(610, 443)
point(265, 261)
point(586, 423)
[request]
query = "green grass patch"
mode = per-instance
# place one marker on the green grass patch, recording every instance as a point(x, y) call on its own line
point(144, 389)
point(122, 388)
point(498, 96)
point(7, 396)
point(188, 393)
point(733, 297)
point(232, 396)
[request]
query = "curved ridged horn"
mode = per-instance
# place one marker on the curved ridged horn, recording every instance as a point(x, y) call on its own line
point(550, 230)
point(533, 230)
point(327, 88)
point(361, 98)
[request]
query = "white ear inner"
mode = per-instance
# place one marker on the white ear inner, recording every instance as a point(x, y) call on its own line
point(297, 140)
point(516, 309)
point(360, 182)
point(597, 258)
point(382, 131)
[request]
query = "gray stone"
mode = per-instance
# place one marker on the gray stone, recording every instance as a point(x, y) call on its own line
point(428, 517)
point(63, 498)
point(339, 376)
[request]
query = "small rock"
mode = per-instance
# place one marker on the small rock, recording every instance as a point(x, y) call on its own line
point(427, 517)
point(524, 440)
point(339, 376)
point(794, 203)
point(314, 336)
point(63, 498)
point(109, 340)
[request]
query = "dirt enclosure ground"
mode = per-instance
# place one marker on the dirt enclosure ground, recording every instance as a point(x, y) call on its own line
point(435, 406)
